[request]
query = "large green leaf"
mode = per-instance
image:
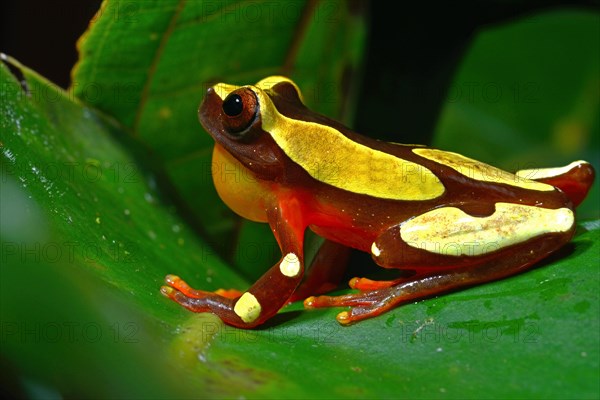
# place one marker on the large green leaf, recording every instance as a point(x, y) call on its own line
point(81, 315)
point(86, 238)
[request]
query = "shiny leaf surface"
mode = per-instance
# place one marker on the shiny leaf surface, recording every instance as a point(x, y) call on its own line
point(90, 226)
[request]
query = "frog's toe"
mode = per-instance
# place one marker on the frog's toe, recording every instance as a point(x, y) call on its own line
point(359, 313)
point(179, 284)
point(179, 297)
point(362, 305)
point(202, 304)
point(167, 291)
point(347, 300)
point(367, 285)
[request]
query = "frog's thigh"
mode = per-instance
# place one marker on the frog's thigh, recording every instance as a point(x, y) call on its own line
point(449, 236)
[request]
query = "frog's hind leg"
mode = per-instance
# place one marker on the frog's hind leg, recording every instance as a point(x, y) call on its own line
point(575, 179)
point(378, 297)
point(441, 269)
point(372, 303)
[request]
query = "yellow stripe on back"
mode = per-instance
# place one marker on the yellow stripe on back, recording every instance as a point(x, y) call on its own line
point(330, 157)
point(480, 171)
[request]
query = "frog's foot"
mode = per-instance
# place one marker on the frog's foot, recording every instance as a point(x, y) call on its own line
point(242, 311)
point(200, 302)
point(176, 282)
point(372, 303)
point(363, 305)
point(233, 307)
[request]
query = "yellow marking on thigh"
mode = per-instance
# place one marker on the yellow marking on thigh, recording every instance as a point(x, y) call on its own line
point(541, 173)
point(480, 171)
point(450, 231)
point(290, 265)
point(247, 308)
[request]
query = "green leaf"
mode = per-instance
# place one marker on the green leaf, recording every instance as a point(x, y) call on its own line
point(170, 52)
point(86, 240)
point(87, 235)
point(83, 256)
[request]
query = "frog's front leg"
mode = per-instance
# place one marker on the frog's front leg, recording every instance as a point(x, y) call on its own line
point(449, 249)
point(269, 293)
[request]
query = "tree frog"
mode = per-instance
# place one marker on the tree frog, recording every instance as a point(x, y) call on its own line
point(446, 219)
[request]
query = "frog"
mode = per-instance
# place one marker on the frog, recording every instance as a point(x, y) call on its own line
point(444, 221)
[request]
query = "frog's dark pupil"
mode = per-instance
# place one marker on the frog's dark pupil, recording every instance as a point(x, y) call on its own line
point(233, 105)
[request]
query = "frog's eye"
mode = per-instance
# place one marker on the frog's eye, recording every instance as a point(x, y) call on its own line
point(240, 109)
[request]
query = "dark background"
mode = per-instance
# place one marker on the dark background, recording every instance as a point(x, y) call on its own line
point(42, 34)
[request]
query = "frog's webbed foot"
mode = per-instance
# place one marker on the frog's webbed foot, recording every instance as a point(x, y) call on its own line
point(388, 295)
point(176, 282)
point(195, 304)
point(363, 305)
point(376, 298)
point(197, 300)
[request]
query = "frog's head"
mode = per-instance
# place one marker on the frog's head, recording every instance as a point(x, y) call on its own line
point(240, 119)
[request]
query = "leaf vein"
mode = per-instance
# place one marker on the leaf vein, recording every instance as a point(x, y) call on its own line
point(154, 64)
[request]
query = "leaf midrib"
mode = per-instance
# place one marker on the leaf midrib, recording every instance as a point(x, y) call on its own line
point(154, 65)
